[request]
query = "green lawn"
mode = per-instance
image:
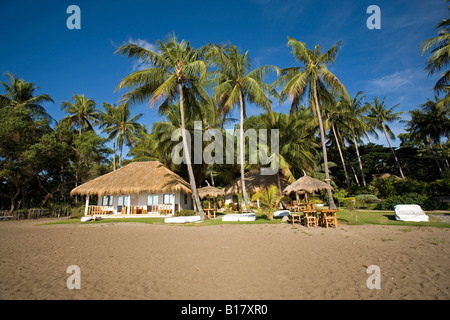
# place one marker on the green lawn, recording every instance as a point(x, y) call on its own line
point(344, 217)
point(383, 218)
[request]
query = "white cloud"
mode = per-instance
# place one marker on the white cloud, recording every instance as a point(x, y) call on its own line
point(139, 65)
point(393, 82)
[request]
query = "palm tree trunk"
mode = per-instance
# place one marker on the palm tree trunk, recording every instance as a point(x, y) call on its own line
point(356, 176)
point(114, 155)
point(120, 154)
point(435, 159)
point(395, 157)
point(444, 155)
point(211, 175)
point(241, 149)
point(347, 181)
point(188, 156)
point(360, 162)
point(324, 147)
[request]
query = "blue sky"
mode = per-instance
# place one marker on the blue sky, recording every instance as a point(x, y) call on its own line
point(38, 47)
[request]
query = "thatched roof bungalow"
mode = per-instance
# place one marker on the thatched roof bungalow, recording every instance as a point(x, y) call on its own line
point(139, 187)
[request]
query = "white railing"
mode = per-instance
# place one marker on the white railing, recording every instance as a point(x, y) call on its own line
point(100, 210)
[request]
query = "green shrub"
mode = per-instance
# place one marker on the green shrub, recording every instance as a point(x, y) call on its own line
point(368, 198)
point(438, 188)
point(186, 213)
point(426, 202)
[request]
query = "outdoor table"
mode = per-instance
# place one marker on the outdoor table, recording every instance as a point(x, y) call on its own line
point(210, 211)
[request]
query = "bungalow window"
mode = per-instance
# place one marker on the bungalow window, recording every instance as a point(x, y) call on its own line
point(168, 198)
point(185, 199)
point(108, 200)
point(152, 200)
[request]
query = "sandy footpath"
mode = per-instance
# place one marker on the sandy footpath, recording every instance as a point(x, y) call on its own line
point(143, 261)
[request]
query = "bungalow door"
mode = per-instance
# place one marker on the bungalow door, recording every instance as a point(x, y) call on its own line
point(122, 202)
point(152, 203)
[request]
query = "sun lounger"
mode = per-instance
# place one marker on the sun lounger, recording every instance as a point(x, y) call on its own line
point(410, 212)
point(182, 219)
point(281, 213)
point(239, 217)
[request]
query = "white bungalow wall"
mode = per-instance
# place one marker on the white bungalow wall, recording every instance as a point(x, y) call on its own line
point(182, 199)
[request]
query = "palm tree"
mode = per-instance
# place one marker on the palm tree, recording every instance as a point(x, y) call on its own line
point(380, 115)
point(440, 56)
point(337, 116)
point(123, 127)
point(82, 113)
point(235, 84)
point(431, 124)
point(318, 78)
point(176, 71)
point(107, 119)
point(20, 94)
point(354, 125)
point(270, 199)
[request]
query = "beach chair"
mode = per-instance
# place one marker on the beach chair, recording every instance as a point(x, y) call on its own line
point(310, 218)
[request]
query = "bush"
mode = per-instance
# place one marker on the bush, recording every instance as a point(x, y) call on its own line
point(349, 203)
point(438, 188)
point(427, 203)
point(186, 213)
point(367, 198)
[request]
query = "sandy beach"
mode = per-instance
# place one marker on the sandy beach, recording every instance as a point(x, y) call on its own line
point(273, 262)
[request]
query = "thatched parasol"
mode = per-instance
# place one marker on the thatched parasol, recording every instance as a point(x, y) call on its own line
point(255, 182)
point(210, 191)
point(307, 184)
point(136, 177)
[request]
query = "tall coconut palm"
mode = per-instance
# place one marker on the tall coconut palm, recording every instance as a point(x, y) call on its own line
point(82, 113)
point(123, 127)
point(315, 76)
point(431, 123)
point(20, 93)
point(235, 84)
point(354, 125)
point(336, 116)
point(381, 115)
point(176, 71)
point(107, 119)
point(440, 56)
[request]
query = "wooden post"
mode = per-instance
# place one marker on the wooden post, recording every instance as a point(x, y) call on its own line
point(86, 209)
point(173, 204)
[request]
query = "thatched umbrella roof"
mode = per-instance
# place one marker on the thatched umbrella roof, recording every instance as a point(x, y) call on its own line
point(255, 182)
point(136, 177)
point(307, 184)
point(210, 191)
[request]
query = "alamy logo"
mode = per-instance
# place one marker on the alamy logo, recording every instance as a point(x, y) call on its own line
point(74, 21)
point(374, 21)
point(74, 281)
point(374, 280)
point(222, 147)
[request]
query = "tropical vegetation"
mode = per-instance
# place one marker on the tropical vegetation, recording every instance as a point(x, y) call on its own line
point(323, 135)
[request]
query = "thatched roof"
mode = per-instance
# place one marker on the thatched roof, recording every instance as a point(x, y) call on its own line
point(136, 177)
point(307, 184)
point(255, 182)
point(210, 191)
